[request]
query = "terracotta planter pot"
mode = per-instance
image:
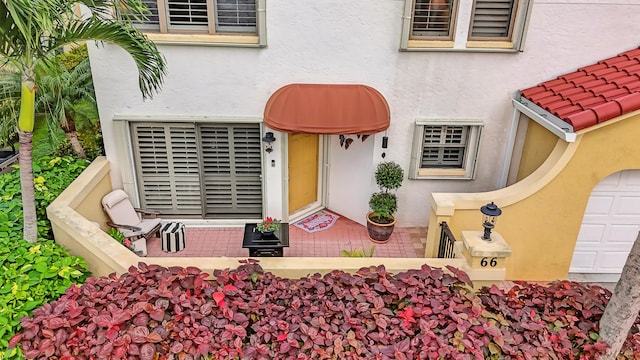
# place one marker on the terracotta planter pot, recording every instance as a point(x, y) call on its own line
point(379, 233)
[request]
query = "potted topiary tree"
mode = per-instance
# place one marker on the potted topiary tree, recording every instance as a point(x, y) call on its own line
point(381, 219)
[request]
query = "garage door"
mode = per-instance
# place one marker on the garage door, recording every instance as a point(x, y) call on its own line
point(610, 225)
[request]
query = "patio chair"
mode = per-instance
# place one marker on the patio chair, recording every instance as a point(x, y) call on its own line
point(129, 220)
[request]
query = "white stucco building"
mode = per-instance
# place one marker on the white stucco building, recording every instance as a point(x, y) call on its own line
point(447, 69)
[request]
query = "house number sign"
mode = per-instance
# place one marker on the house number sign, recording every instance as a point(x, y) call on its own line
point(491, 262)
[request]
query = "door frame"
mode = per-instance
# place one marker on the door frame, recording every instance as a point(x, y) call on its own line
point(323, 175)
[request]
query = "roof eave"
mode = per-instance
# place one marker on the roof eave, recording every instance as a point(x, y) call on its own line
point(551, 122)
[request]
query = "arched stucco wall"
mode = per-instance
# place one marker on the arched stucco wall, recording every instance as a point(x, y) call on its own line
point(538, 144)
point(542, 213)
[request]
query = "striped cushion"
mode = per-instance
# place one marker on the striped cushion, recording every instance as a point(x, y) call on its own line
point(173, 237)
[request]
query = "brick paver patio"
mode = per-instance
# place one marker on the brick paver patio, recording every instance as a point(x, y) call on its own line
point(345, 234)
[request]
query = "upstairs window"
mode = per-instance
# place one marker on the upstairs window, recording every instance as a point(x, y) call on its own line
point(465, 25)
point(492, 20)
point(433, 19)
point(236, 19)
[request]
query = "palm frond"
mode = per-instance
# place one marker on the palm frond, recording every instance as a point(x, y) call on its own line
point(150, 63)
point(61, 89)
point(33, 30)
point(9, 103)
point(124, 10)
point(11, 41)
point(31, 22)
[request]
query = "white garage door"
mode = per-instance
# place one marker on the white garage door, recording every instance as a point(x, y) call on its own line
point(610, 225)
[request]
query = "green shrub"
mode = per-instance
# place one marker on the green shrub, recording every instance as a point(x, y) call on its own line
point(384, 204)
point(33, 274)
point(51, 176)
point(73, 57)
point(389, 176)
point(359, 252)
point(90, 136)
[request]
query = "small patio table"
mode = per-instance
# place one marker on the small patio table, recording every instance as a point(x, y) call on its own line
point(267, 245)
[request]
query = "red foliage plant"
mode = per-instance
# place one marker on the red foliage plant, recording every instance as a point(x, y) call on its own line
point(152, 312)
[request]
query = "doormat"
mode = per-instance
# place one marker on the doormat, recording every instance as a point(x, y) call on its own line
point(318, 221)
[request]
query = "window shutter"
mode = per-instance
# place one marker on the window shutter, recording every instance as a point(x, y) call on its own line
point(444, 146)
point(236, 16)
point(232, 170)
point(432, 18)
point(187, 14)
point(492, 19)
point(167, 168)
point(152, 22)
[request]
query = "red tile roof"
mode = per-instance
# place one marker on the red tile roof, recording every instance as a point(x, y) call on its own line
point(594, 93)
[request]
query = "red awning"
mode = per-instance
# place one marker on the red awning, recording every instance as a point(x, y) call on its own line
point(327, 109)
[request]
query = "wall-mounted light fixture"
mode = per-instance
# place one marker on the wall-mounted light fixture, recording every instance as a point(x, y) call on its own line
point(385, 144)
point(490, 213)
point(268, 140)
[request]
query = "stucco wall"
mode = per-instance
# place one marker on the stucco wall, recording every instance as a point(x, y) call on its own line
point(104, 255)
point(542, 213)
point(91, 206)
point(77, 232)
point(539, 143)
point(357, 41)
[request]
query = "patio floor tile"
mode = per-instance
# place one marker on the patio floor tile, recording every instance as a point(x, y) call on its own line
point(345, 234)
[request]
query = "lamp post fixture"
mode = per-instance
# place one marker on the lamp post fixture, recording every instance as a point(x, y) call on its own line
point(490, 213)
point(268, 140)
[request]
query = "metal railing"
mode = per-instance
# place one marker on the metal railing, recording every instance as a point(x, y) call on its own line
point(447, 242)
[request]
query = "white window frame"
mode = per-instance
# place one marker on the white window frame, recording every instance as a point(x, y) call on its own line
point(468, 169)
point(462, 17)
point(164, 33)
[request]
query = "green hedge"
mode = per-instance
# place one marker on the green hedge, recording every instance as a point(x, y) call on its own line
point(33, 274)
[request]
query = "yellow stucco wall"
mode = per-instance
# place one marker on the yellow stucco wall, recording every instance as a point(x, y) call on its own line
point(76, 232)
point(91, 208)
point(538, 144)
point(542, 213)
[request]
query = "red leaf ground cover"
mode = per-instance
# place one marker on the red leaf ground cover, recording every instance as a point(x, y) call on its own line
point(152, 312)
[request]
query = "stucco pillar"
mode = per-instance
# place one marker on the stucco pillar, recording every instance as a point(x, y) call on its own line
point(485, 259)
point(482, 254)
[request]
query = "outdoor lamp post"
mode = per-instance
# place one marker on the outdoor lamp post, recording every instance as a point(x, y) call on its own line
point(490, 213)
point(268, 140)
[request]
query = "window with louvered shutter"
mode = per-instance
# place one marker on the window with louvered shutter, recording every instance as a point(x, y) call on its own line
point(433, 19)
point(187, 14)
point(236, 16)
point(445, 149)
point(212, 170)
point(444, 146)
point(231, 172)
point(492, 19)
point(493, 25)
point(167, 168)
point(152, 21)
point(203, 16)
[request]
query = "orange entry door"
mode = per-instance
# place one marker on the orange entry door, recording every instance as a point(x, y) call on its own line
point(303, 170)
